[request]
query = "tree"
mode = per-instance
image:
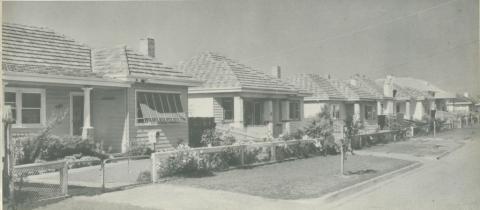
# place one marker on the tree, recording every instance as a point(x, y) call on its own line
point(321, 126)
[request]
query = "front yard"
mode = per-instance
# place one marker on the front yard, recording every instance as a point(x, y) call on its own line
point(426, 146)
point(305, 178)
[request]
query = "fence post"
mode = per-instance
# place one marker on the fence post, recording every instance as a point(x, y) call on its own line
point(273, 155)
point(103, 174)
point(242, 154)
point(154, 168)
point(10, 156)
point(64, 179)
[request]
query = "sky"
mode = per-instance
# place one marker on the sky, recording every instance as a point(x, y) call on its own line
point(435, 40)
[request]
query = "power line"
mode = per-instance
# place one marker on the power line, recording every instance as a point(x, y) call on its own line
point(341, 35)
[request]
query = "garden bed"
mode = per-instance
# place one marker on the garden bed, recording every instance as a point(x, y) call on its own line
point(304, 178)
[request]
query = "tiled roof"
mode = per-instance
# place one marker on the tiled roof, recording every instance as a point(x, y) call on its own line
point(320, 87)
point(368, 85)
point(423, 86)
point(123, 61)
point(358, 93)
point(39, 50)
point(405, 93)
point(49, 70)
point(464, 99)
point(220, 72)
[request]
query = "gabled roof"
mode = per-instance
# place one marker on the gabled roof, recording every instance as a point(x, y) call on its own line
point(36, 50)
point(123, 62)
point(320, 87)
point(423, 86)
point(368, 85)
point(221, 74)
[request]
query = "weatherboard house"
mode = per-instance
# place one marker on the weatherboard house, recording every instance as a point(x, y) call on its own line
point(117, 96)
point(241, 99)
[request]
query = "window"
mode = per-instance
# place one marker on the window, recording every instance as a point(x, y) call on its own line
point(336, 111)
point(253, 113)
point(369, 112)
point(227, 105)
point(294, 110)
point(398, 108)
point(10, 99)
point(27, 105)
point(154, 108)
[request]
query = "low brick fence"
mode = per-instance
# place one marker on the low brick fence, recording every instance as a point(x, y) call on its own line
point(241, 155)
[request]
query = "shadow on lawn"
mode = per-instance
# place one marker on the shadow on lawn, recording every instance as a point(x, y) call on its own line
point(361, 172)
point(197, 174)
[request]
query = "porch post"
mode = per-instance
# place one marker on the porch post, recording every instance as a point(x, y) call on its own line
point(390, 108)
point(268, 116)
point(356, 112)
point(379, 108)
point(87, 130)
point(418, 114)
point(238, 112)
point(407, 110)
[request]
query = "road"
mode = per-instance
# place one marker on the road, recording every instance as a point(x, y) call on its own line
point(452, 182)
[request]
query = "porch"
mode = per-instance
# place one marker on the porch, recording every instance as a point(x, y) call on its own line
point(93, 111)
point(257, 116)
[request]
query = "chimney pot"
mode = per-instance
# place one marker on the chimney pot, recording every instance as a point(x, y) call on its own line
point(277, 72)
point(147, 47)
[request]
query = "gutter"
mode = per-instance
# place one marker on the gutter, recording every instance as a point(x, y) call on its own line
point(67, 80)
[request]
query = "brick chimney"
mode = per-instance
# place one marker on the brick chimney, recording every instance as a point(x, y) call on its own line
point(147, 47)
point(277, 72)
point(388, 89)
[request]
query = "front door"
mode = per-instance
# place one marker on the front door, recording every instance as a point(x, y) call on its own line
point(77, 114)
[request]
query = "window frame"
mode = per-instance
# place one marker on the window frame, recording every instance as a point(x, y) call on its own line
point(231, 99)
point(257, 113)
point(172, 119)
point(372, 115)
point(296, 110)
point(335, 112)
point(19, 108)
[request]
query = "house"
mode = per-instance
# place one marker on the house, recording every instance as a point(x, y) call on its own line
point(343, 100)
point(384, 94)
point(116, 96)
point(242, 99)
point(461, 104)
point(408, 102)
point(435, 97)
point(324, 94)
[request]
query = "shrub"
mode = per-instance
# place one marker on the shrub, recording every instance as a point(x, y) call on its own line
point(45, 146)
point(212, 137)
point(321, 126)
point(140, 151)
point(55, 148)
point(291, 136)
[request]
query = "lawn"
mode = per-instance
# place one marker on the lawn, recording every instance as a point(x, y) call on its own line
point(305, 178)
point(426, 146)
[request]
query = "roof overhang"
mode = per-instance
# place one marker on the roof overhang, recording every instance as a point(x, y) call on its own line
point(189, 82)
point(324, 99)
point(68, 80)
point(241, 90)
